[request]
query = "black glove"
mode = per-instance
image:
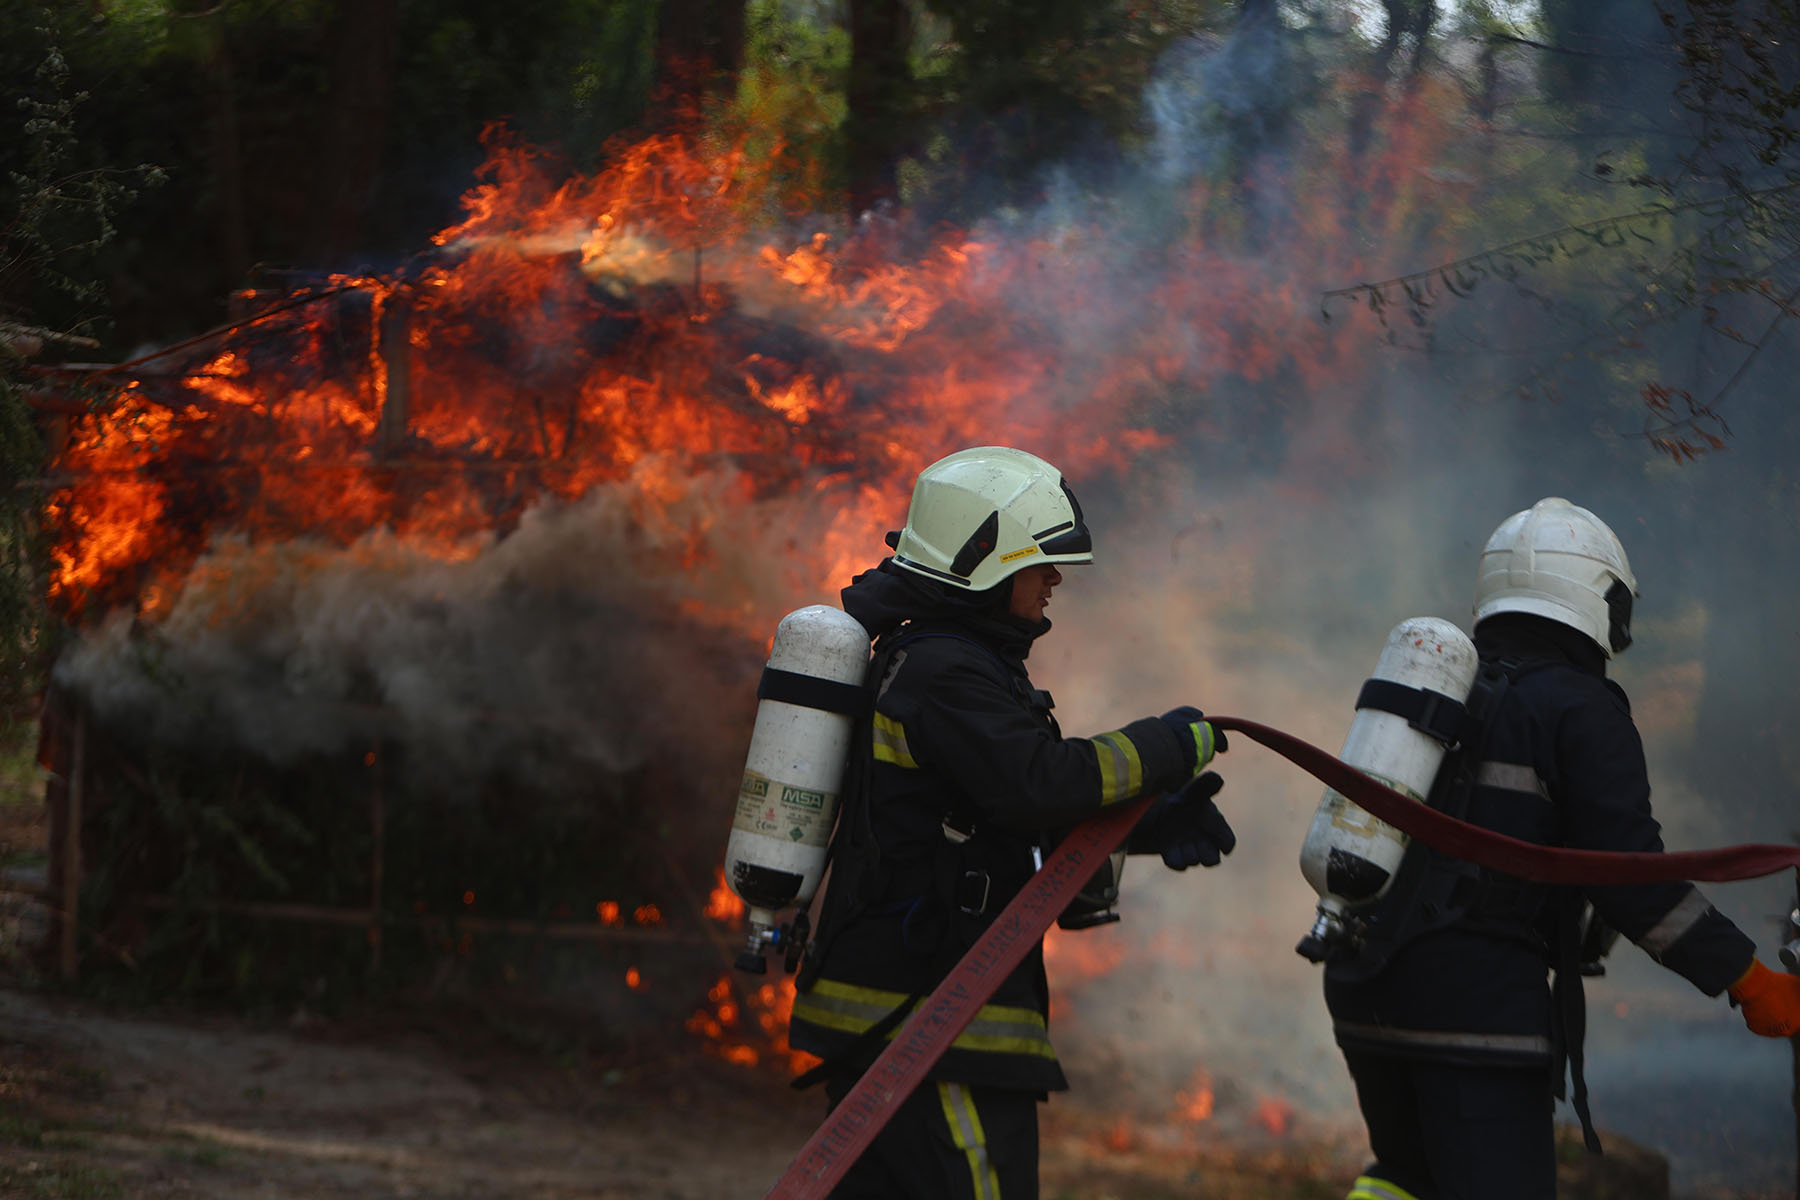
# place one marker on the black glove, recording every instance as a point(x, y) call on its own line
point(1187, 828)
point(1199, 740)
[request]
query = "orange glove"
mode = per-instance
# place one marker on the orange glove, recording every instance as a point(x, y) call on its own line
point(1770, 999)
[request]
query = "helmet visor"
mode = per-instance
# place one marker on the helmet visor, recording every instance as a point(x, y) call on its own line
point(1071, 537)
point(1618, 615)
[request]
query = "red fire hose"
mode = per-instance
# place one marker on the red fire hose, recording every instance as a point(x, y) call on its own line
point(1541, 864)
point(853, 1124)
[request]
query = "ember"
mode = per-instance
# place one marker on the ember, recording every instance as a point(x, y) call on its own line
point(1196, 1103)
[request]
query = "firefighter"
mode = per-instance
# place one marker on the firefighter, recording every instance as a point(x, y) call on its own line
point(1455, 1039)
point(958, 783)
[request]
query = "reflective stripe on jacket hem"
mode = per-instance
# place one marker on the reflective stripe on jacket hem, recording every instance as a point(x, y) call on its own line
point(1510, 777)
point(1443, 1041)
point(996, 1029)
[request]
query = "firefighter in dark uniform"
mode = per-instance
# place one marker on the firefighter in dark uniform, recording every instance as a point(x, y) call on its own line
point(1454, 1038)
point(958, 784)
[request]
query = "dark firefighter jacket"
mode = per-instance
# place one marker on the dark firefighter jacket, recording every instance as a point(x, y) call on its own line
point(1562, 765)
point(959, 776)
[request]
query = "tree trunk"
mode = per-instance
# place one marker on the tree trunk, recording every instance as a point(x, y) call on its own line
point(365, 42)
point(228, 159)
point(699, 51)
point(876, 97)
point(1405, 18)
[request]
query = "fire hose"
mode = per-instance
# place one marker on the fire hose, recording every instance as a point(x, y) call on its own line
point(947, 1011)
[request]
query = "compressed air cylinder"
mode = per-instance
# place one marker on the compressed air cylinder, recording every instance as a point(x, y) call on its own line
point(794, 770)
point(1349, 857)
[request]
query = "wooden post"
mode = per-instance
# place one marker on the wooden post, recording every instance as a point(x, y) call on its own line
point(68, 956)
point(377, 855)
point(393, 346)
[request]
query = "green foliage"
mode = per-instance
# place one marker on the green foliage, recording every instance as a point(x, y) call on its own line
point(1011, 86)
point(59, 207)
point(23, 618)
point(1741, 76)
point(790, 97)
point(1660, 241)
point(61, 1181)
point(317, 135)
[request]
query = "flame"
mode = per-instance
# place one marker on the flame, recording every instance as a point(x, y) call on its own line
point(1274, 1114)
point(722, 904)
point(645, 324)
point(561, 337)
point(749, 1028)
point(1195, 1102)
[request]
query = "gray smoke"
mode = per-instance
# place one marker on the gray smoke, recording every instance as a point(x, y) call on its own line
point(1250, 562)
point(580, 639)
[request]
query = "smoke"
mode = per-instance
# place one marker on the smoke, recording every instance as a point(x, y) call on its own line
point(577, 641)
point(1265, 587)
point(1298, 488)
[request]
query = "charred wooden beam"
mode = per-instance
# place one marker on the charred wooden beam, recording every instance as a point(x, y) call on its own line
point(393, 348)
point(318, 914)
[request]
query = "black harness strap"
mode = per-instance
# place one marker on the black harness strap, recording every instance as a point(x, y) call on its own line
point(1442, 717)
point(1570, 999)
point(809, 691)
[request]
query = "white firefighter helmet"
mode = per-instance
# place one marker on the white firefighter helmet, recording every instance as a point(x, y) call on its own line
point(981, 515)
point(1560, 561)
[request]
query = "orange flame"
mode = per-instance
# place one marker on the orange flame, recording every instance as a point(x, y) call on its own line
point(723, 904)
point(1195, 1103)
point(1274, 1114)
point(561, 338)
point(746, 1035)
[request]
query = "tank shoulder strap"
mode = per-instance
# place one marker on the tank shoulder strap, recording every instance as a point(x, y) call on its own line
point(852, 855)
point(1425, 891)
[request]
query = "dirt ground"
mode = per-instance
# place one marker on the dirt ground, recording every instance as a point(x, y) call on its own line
point(430, 1105)
point(108, 1105)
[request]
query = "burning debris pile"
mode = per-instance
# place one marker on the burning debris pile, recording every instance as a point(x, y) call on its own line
point(436, 600)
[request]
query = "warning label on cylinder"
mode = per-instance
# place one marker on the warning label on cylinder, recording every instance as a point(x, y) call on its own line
point(1359, 823)
point(781, 810)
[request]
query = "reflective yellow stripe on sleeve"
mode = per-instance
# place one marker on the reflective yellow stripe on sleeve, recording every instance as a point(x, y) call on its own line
point(890, 743)
point(1121, 770)
point(1370, 1188)
point(996, 1029)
